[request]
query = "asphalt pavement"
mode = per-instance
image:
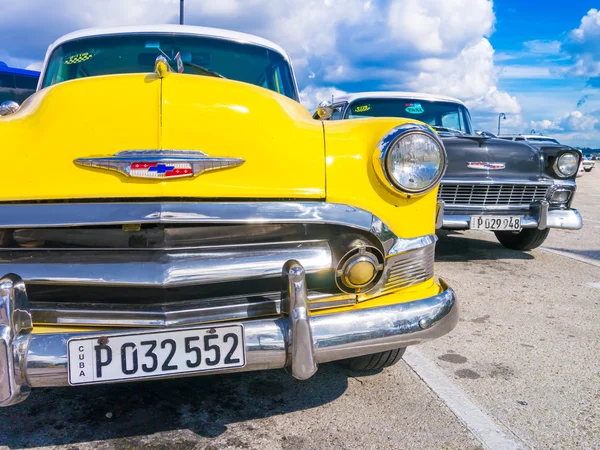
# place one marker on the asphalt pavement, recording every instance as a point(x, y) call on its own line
point(524, 357)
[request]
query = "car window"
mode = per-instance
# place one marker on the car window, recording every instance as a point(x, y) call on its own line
point(337, 112)
point(519, 139)
point(452, 120)
point(137, 53)
point(435, 113)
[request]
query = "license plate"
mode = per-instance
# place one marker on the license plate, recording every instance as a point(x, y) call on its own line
point(155, 353)
point(496, 223)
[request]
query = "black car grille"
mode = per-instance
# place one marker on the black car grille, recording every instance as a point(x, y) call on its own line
point(491, 194)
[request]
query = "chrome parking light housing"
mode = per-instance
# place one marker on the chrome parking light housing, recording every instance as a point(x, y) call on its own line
point(400, 167)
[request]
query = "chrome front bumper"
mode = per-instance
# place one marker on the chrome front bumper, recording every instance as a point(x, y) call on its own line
point(297, 340)
point(540, 217)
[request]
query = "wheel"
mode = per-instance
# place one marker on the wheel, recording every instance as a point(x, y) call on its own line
point(588, 170)
point(375, 361)
point(526, 239)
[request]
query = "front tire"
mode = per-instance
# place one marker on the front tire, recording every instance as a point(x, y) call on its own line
point(375, 361)
point(588, 170)
point(526, 239)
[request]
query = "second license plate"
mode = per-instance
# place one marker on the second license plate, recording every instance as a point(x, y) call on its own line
point(496, 223)
point(155, 353)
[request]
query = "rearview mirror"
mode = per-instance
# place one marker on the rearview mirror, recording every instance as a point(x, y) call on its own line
point(8, 107)
point(325, 110)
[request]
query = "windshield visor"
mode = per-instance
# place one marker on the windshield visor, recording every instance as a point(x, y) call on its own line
point(137, 53)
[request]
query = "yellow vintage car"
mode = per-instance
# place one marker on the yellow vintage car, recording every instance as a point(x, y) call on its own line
point(168, 208)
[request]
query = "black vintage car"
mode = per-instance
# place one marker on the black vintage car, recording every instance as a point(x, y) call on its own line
point(517, 190)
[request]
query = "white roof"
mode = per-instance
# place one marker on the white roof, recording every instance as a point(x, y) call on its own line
point(395, 94)
point(167, 29)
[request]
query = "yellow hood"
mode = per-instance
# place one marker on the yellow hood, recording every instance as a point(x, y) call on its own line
point(283, 147)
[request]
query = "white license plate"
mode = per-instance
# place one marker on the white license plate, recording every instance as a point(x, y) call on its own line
point(155, 353)
point(496, 223)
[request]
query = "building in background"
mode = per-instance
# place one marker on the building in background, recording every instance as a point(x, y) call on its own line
point(16, 84)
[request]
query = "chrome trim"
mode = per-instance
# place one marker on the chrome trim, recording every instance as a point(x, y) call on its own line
point(490, 180)
point(177, 313)
point(564, 188)
point(543, 215)
point(119, 213)
point(334, 336)
point(325, 110)
point(194, 163)
point(301, 343)
point(439, 214)
point(489, 194)
point(8, 107)
point(408, 268)
point(485, 165)
point(15, 331)
point(566, 219)
point(388, 141)
point(164, 268)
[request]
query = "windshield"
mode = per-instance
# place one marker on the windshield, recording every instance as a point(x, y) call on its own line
point(136, 53)
point(448, 115)
point(536, 139)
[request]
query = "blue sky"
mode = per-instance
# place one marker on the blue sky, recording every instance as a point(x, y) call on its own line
point(537, 61)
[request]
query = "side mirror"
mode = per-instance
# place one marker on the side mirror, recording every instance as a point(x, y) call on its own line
point(8, 107)
point(325, 110)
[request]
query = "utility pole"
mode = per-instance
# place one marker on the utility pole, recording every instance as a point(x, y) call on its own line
point(500, 116)
point(180, 12)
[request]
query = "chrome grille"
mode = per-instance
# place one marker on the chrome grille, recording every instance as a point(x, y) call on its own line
point(409, 268)
point(492, 194)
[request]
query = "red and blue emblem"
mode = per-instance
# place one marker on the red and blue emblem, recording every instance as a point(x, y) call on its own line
point(143, 169)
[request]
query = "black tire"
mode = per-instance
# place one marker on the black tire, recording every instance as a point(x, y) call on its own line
point(526, 239)
point(587, 170)
point(375, 361)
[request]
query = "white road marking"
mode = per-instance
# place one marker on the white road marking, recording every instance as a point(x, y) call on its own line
point(593, 284)
point(478, 422)
point(572, 256)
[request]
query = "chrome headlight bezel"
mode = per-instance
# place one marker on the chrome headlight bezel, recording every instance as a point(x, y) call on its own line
point(556, 165)
point(387, 143)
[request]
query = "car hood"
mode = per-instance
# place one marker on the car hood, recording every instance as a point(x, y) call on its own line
point(489, 158)
point(281, 145)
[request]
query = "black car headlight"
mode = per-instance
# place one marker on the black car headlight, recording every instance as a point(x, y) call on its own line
point(411, 159)
point(566, 164)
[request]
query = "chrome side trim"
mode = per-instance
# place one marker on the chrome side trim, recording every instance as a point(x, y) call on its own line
point(301, 344)
point(164, 269)
point(15, 331)
point(83, 214)
point(335, 336)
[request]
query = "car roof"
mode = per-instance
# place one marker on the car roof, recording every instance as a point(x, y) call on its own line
point(397, 94)
point(189, 30)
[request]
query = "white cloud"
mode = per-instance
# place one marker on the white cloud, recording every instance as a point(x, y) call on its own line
point(521, 71)
point(574, 121)
point(543, 47)
point(311, 96)
point(583, 44)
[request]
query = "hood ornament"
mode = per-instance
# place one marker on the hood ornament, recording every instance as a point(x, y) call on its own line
point(482, 165)
point(160, 164)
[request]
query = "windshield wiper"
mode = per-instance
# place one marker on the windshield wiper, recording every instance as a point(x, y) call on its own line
point(203, 70)
point(449, 130)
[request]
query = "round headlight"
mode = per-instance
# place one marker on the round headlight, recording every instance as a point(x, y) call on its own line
point(415, 161)
point(566, 165)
